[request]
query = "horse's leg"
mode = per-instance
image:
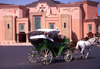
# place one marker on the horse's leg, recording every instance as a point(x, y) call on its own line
point(81, 53)
point(82, 50)
point(76, 50)
point(88, 53)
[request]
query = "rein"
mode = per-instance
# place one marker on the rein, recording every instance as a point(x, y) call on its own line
point(90, 42)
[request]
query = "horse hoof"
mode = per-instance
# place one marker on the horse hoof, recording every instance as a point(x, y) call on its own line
point(89, 57)
point(81, 56)
point(72, 58)
point(76, 59)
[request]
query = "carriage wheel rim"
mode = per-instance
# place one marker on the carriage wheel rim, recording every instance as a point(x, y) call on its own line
point(31, 56)
point(68, 56)
point(47, 57)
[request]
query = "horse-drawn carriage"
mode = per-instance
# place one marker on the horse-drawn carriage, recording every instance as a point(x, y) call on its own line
point(48, 45)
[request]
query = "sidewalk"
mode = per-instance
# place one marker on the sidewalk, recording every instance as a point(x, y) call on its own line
point(16, 44)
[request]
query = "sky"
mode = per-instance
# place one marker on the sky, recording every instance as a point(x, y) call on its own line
point(24, 2)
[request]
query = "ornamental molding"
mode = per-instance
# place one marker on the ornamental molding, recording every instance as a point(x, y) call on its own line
point(10, 10)
point(70, 9)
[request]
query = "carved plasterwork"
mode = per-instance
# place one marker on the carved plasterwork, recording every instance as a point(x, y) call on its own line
point(10, 10)
point(42, 6)
point(8, 31)
point(70, 9)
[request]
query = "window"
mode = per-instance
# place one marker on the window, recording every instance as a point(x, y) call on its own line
point(97, 28)
point(37, 22)
point(90, 28)
point(51, 26)
point(64, 25)
point(8, 26)
point(22, 29)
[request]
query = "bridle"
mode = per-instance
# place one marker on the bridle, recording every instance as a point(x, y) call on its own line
point(90, 42)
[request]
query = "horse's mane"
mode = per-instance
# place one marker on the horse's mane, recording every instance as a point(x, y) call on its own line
point(91, 38)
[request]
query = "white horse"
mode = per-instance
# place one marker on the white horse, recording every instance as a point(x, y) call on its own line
point(85, 45)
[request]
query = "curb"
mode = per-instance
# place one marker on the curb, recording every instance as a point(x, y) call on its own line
point(15, 44)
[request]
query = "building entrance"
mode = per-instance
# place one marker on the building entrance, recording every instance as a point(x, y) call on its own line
point(37, 22)
point(22, 37)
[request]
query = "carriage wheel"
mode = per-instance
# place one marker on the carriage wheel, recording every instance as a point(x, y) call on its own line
point(68, 55)
point(32, 56)
point(46, 56)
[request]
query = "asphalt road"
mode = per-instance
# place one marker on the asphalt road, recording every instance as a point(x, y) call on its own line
point(15, 57)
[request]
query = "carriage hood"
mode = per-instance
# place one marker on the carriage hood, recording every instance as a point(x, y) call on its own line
point(41, 37)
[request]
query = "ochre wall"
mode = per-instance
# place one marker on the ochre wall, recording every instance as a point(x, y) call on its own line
point(65, 19)
point(89, 11)
point(8, 31)
point(53, 20)
point(72, 14)
point(86, 28)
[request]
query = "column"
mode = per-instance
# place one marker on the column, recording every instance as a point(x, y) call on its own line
point(94, 29)
point(27, 41)
point(17, 38)
point(14, 28)
point(70, 28)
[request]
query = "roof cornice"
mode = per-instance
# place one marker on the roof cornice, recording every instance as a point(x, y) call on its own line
point(88, 2)
point(91, 20)
point(14, 6)
point(69, 5)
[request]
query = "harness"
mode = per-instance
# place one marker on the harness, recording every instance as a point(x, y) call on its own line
point(90, 43)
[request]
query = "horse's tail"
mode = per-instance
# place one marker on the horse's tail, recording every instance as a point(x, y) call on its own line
point(77, 46)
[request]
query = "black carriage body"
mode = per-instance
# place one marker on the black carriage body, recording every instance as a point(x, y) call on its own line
point(46, 45)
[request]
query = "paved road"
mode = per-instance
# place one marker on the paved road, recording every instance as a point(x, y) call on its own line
point(15, 57)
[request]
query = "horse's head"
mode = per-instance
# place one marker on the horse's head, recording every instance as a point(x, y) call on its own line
point(96, 37)
point(97, 40)
point(92, 40)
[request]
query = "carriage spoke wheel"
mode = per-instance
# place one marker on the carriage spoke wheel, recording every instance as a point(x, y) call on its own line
point(46, 56)
point(68, 55)
point(32, 56)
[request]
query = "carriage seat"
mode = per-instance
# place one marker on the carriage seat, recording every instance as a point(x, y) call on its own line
point(59, 39)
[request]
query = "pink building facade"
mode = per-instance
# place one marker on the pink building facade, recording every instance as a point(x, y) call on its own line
point(74, 20)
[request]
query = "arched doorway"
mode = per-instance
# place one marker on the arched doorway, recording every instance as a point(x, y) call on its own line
point(22, 37)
